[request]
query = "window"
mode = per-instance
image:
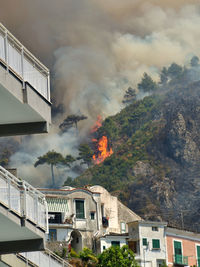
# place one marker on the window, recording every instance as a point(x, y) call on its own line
point(155, 243)
point(123, 227)
point(155, 228)
point(144, 241)
point(92, 215)
point(80, 213)
point(198, 255)
point(55, 217)
point(104, 247)
point(177, 248)
point(115, 243)
point(52, 235)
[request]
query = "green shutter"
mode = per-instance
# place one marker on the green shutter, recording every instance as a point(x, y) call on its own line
point(177, 248)
point(198, 255)
point(144, 241)
point(80, 214)
point(156, 243)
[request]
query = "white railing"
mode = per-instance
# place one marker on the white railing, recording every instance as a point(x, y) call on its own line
point(23, 199)
point(27, 67)
point(45, 259)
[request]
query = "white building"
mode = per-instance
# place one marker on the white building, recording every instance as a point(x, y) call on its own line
point(81, 217)
point(25, 108)
point(148, 241)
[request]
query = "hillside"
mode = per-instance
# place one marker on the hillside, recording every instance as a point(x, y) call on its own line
point(155, 167)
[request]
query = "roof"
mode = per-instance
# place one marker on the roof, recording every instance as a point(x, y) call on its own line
point(116, 234)
point(170, 231)
point(151, 223)
point(66, 190)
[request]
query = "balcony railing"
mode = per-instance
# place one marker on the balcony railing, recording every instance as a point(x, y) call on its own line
point(23, 199)
point(180, 259)
point(16, 58)
point(47, 259)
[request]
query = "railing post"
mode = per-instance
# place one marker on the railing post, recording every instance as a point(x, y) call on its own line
point(48, 88)
point(46, 216)
point(9, 202)
point(6, 49)
point(24, 211)
point(22, 65)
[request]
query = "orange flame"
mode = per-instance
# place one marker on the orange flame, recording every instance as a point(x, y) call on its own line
point(97, 124)
point(103, 151)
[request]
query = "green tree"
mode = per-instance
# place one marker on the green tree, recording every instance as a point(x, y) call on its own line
point(86, 255)
point(175, 71)
point(118, 257)
point(130, 96)
point(53, 158)
point(70, 121)
point(85, 154)
point(147, 84)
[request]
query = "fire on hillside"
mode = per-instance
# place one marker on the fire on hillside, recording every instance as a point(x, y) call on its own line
point(102, 149)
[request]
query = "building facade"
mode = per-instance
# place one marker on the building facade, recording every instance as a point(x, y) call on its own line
point(183, 247)
point(79, 217)
point(148, 241)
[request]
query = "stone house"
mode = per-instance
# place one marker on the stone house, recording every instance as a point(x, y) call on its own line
point(79, 217)
point(148, 241)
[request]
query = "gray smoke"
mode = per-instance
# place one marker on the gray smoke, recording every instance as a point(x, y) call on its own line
point(96, 50)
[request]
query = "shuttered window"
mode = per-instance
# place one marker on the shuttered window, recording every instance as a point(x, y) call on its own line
point(177, 248)
point(198, 256)
point(156, 243)
point(80, 213)
point(144, 241)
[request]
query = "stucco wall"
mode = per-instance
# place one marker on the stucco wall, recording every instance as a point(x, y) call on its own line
point(188, 249)
point(106, 241)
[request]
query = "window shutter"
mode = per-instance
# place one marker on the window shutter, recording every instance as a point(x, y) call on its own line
point(177, 248)
point(156, 243)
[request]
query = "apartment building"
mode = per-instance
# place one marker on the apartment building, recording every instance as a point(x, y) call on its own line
point(183, 247)
point(80, 217)
point(147, 239)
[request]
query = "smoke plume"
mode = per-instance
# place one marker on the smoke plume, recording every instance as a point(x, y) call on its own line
point(96, 50)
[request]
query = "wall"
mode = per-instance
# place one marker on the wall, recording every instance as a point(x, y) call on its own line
point(106, 241)
point(188, 249)
point(151, 255)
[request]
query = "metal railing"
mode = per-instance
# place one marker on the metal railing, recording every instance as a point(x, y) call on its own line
point(180, 259)
point(23, 199)
point(27, 67)
point(45, 259)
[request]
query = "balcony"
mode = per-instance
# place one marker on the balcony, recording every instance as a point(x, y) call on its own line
point(24, 88)
point(23, 215)
point(180, 260)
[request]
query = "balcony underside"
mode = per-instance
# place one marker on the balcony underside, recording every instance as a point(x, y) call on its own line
point(23, 110)
point(17, 234)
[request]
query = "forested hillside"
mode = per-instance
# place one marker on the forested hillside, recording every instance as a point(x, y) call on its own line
point(155, 166)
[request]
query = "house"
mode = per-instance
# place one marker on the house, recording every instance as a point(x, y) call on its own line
point(25, 108)
point(148, 241)
point(183, 247)
point(79, 217)
point(113, 239)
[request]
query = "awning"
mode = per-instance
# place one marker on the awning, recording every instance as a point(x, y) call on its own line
point(57, 205)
